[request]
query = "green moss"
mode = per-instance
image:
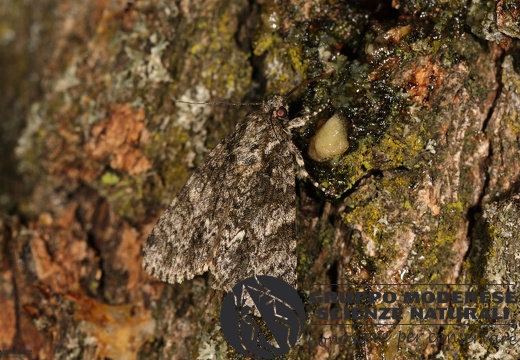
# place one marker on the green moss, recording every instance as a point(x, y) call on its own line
point(93, 287)
point(109, 178)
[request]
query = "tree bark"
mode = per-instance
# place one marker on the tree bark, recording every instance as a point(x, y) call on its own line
point(426, 192)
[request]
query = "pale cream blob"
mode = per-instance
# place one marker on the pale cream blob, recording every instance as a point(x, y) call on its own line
point(330, 140)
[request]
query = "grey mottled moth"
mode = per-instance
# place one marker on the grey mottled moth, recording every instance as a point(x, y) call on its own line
point(236, 215)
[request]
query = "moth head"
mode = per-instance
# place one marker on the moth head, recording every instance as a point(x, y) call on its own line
point(277, 106)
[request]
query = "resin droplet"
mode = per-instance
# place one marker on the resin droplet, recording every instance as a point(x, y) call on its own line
point(330, 140)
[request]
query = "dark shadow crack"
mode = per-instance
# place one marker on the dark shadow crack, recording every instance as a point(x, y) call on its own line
point(248, 20)
point(376, 173)
point(474, 214)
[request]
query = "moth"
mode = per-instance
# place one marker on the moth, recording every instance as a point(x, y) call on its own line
point(236, 215)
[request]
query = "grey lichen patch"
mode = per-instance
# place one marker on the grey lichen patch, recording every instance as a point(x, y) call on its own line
point(144, 65)
point(138, 59)
point(193, 119)
point(494, 260)
point(508, 18)
point(31, 136)
point(211, 344)
point(503, 227)
point(482, 19)
point(494, 20)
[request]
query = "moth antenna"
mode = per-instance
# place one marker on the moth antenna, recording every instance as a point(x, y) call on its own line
point(307, 82)
point(215, 103)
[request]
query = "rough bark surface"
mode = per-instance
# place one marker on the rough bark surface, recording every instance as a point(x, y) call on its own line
point(95, 149)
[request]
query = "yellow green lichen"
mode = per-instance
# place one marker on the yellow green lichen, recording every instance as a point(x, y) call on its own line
point(265, 42)
point(109, 178)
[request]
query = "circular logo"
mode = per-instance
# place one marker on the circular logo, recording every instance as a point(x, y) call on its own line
point(262, 317)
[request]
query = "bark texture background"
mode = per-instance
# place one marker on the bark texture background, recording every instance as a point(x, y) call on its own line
point(94, 150)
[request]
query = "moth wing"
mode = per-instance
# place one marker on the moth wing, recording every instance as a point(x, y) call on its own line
point(235, 215)
point(259, 235)
point(181, 243)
